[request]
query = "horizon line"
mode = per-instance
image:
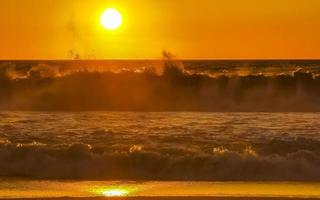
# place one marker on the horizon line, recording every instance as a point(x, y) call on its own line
point(160, 59)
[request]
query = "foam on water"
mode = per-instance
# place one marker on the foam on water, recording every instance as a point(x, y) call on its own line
point(168, 85)
point(160, 146)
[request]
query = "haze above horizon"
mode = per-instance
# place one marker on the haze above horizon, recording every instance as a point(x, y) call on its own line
point(207, 29)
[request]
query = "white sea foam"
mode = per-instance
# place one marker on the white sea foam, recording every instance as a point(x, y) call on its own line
point(160, 146)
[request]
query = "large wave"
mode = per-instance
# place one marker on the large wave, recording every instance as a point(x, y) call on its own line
point(146, 86)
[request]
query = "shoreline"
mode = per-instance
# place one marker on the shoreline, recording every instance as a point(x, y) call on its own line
point(167, 198)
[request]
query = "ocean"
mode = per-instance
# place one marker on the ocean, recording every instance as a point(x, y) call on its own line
point(159, 128)
point(137, 148)
point(161, 85)
point(160, 146)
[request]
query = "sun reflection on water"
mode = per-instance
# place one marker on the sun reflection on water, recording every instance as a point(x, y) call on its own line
point(115, 193)
point(52, 189)
point(114, 190)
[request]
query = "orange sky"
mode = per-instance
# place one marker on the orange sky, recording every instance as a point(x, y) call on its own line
point(201, 29)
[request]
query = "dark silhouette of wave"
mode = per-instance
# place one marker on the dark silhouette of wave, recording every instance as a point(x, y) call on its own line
point(81, 161)
point(168, 85)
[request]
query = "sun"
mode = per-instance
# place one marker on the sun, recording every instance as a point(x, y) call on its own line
point(111, 19)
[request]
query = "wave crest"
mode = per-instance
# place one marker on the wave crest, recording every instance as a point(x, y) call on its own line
point(77, 86)
point(82, 161)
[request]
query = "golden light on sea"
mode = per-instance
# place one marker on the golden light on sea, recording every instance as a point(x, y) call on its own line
point(52, 189)
point(114, 190)
point(115, 193)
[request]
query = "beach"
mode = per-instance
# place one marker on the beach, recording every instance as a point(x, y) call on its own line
point(171, 198)
point(39, 189)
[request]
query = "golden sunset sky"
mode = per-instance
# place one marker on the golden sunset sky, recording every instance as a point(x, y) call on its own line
point(197, 29)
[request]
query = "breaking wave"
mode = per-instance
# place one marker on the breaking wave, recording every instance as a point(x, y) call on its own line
point(80, 161)
point(168, 85)
point(160, 146)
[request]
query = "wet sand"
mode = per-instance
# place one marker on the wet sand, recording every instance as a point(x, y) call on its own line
point(171, 198)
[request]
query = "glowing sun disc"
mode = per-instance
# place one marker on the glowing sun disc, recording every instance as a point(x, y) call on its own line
point(111, 19)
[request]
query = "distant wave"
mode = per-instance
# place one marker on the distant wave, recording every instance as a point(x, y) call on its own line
point(80, 161)
point(168, 85)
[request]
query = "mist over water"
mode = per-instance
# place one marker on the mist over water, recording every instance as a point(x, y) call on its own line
point(160, 146)
point(167, 85)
